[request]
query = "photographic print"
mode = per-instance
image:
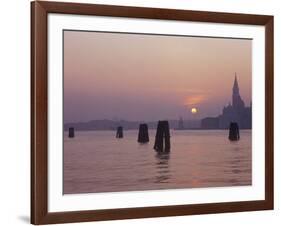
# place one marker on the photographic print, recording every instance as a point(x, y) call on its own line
point(149, 112)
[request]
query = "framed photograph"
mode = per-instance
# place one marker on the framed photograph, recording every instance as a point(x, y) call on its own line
point(147, 112)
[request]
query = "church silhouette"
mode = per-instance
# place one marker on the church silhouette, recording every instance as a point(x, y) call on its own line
point(235, 112)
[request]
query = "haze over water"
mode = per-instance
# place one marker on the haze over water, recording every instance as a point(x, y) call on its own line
point(95, 161)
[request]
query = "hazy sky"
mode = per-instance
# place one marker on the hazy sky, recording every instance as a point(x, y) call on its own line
point(151, 77)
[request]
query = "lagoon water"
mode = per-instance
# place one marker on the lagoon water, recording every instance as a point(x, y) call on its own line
point(95, 161)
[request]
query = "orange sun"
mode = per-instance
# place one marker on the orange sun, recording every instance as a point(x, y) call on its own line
point(194, 110)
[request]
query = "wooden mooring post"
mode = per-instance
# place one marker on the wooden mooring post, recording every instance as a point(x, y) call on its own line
point(71, 132)
point(234, 131)
point(119, 133)
point(162, 138)
point(143, 136)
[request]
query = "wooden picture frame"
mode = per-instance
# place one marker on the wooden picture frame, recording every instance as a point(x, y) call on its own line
point(39, 109)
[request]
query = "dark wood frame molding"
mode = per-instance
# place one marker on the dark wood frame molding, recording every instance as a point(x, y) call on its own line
point(39, 107)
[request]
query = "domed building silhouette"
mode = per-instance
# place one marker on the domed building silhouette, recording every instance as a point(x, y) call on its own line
point(235, 112)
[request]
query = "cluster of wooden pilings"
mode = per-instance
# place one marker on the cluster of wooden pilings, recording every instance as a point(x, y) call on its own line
point(234, 134)
point(162, 138)
point(119, 132)
point(71, 132)
point(143, 136)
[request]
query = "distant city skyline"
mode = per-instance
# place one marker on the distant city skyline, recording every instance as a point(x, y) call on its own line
point(139, 77)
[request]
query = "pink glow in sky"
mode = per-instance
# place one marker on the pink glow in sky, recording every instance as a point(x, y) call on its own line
point(151, 77)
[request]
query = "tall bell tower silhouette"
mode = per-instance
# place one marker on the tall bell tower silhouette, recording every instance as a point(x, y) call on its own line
point(237, 101)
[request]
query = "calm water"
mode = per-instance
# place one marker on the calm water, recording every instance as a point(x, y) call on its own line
point(95, 161)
